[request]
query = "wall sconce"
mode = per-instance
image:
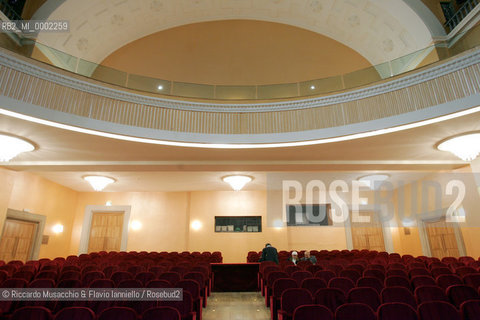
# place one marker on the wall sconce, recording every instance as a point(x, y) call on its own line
point(196, 225)
point(135, 225)
point(58, 228)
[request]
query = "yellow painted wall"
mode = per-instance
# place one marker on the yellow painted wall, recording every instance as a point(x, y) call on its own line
point(30, 192)
point(236, 52)
point(162, 214)
point(166, 218)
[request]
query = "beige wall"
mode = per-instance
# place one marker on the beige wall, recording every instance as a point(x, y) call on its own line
point(236, 52)
point(24, 191)
point(166, 218)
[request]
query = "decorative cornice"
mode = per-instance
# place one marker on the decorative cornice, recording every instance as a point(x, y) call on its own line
point(455, 64)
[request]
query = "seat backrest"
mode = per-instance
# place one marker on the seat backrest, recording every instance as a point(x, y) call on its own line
point(470, 309)
point(131, 283)
point(69, 283)
point(46, 275)
point(344, 284)
point(158, 284)
point(370, 282)
point(119, 276)
point(355, 311)
point(430, 293)
point(314, 268)
point(438, 271)
point(312, 311)
point(374, 273)
point(396, 273)
point(42, 283)
point(164, 313)
point(461, 293)
point(144, 277)
point(88, 277)
point(326, 275)
point(191, 286)
point(368, 296)
point(102, 283)
point(472, 280)
point(282, 284)
point(299, 276)
point(31, 313)
point(354, 275)
point(419, 272)
point(14, 283)
point(438, 310)
point(396, 311)
point(75, 313)
point(398, 294)
point(118, 313)
point(172, 277)
point(397, 281)
point(294, 297)
point(331, 298)
point(462, 271)
point(418, 281)
point(446, 280)
point(184, 307)
point(313, 284)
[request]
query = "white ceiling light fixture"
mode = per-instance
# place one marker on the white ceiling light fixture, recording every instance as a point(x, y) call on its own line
point(160, 87)
point(99, 183)
point(374, 181)
point(466, 146)
point(11, 146)
point(237, 182)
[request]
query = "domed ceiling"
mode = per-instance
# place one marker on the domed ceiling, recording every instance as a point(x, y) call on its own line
point(379, 30)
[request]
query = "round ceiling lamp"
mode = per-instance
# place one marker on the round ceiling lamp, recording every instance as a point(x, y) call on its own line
point(99, 183)
point(466, 146)
point(237, 182)
point(11, 146)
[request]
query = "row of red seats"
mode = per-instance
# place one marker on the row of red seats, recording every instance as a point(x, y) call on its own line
point(111, 270)
point(433, 310)
point(112, 313)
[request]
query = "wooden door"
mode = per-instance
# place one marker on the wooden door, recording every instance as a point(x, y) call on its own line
point(17, 240)
point(106, 231)
point(368, 235)
point(442, 240)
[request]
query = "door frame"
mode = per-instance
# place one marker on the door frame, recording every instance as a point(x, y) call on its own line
point(387, 235)
point(422, 231)
point(39, 219)
point(87, 224)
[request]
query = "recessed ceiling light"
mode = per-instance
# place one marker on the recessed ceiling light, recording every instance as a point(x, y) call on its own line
point(11, 146)
point(237, 182)
point(312, 87)
point(99, 183)
point(160, 87)
point(466, 147)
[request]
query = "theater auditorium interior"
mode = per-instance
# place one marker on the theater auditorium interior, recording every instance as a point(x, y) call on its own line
point(159, 145)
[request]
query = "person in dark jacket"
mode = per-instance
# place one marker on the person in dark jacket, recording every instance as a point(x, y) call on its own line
point(269, 253)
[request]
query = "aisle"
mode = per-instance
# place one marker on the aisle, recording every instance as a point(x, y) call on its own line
point(236, 305)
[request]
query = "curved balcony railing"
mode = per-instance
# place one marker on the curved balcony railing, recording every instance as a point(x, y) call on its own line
point(295, 90)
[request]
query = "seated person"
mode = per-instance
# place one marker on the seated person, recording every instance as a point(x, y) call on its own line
point(308, 257)
point(294, 258)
